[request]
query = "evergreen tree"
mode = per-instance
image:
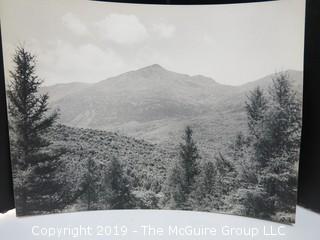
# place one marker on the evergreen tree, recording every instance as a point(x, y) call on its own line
point(175, 185)
point(282, 136)
point(34, 165)
point(181, 177)
point(118, 192)
point(91, 185)
point(188, 156)
point(256, 105)
point(284, 120)
point(205, 191)
point(276, 150)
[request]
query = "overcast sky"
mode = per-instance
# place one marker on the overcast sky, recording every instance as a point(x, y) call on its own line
point(78, 40)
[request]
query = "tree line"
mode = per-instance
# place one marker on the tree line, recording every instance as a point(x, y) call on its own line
point(255, 176)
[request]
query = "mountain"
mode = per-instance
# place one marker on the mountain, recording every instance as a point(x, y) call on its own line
point(294, 76)
point(148, 94)
point(237, 99)
point(59, 91)
point(155, 104)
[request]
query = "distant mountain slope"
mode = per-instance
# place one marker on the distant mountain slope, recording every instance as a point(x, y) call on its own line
point(237, 99)
point(59, 91)
point(148, 94)
point(294, 76)
point(155, 104)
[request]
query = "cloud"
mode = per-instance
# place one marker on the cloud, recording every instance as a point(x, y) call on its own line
point(122, 29)
point(164, 30)
point(64, 62)
point(74, 24)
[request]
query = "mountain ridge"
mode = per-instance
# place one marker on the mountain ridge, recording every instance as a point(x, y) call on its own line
point(159, 67)
point(153, 103)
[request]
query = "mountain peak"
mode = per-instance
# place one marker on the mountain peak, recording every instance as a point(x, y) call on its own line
point(153, 67)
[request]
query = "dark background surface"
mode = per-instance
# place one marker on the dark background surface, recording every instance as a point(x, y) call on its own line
point(309, 173)
point(183, 2)
point(6, 189)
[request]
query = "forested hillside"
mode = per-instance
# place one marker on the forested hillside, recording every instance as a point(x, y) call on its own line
point(145, 163)
point(203, 146)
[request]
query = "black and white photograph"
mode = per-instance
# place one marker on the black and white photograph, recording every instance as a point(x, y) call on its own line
point(139, 106)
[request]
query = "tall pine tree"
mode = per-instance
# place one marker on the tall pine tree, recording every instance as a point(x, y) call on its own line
point(282, 136)
point(276, 149)
point(256, 105)
point(91, 184)
point(284, 120)
point(175, 196)
point(118, 192)
point(34, 165)
point(188, 156)
point(181, 177)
